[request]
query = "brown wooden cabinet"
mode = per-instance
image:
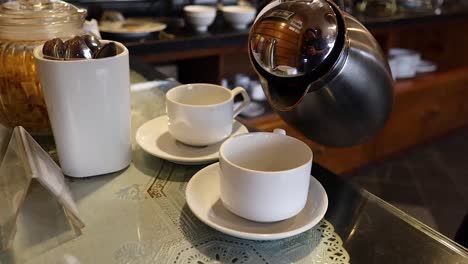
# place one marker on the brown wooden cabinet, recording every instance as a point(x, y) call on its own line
point(424, 108)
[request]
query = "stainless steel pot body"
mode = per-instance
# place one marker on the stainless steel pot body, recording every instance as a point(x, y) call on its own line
point(353, 101)
point(343, 105)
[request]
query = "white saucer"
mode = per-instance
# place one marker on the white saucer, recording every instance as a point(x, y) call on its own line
point(154, 138)
point(203, 198)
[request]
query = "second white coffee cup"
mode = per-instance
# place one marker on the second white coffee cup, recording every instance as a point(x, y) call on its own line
point(202, 114)
point(264, 176)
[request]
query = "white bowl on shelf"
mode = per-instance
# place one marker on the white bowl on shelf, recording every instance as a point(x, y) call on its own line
point(426, 67)
point(403, 62)
point(239, 16)
point(199, 16)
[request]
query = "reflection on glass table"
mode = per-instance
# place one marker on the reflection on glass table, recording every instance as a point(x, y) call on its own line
point(139, 215)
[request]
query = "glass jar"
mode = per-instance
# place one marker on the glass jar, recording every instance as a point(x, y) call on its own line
point(376, 8)
point(25, 24)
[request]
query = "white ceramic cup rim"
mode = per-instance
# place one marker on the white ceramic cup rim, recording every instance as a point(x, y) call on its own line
point(170, 93)
point(199, 9)
point(124, 52)
point(231, 139)
point(236, 9)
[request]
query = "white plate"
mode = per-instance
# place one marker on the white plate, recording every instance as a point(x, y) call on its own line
point(154, 138)
point(426, 67)
point(203, 198)
point(132, 27)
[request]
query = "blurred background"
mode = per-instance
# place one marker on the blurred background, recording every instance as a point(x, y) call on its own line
point(418, 162)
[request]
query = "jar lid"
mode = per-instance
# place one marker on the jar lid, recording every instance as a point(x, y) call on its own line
point(39, 19)
point(294, 38)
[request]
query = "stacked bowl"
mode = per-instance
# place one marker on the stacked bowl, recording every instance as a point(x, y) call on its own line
point(200, 17)
point(239, 17)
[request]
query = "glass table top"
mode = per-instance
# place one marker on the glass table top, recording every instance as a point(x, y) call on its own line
point(139, 215)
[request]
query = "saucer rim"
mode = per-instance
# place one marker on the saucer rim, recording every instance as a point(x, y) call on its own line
point(322, 209)
point(182, 160)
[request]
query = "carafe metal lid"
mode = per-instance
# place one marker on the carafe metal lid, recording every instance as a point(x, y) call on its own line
point(295, 38)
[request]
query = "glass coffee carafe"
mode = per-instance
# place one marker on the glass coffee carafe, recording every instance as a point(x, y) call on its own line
point(25, 24)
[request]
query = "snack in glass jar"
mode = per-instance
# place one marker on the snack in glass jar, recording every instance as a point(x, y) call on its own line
point(26, 24)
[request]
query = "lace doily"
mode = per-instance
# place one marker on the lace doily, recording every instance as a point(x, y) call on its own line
point(318, 245)
point(193, 242)
point(331, 249)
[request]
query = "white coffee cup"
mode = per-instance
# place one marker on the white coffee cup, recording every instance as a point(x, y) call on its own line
point(264, 176)
point(88, 102)
point(202, 114)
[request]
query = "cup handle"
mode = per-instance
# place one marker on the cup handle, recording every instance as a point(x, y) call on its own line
point(245, 101)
